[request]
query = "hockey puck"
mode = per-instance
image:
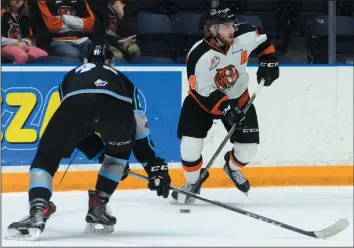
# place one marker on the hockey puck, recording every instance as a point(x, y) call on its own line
point(184, 211)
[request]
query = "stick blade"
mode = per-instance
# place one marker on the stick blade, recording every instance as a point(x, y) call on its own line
point(333, 229)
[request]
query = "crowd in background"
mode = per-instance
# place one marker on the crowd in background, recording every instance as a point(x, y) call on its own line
point(156, 31)
point(64, 28)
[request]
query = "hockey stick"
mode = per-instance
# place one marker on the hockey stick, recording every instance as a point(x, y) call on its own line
point(328, 232)
point(67, 168)
point(199, 182)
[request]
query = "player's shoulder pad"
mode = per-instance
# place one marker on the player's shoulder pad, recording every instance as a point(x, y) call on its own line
point(197, 51)
point(114, 70)
point(71, 72)
point(243, 28)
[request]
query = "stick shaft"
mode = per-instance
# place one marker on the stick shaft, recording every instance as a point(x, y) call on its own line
point(223, 143)
point(234, 209)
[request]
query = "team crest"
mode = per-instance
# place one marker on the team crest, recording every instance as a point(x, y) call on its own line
point(226, 77)
point(214, 63)
point(112, 25)
point(100, 83)
point(67, 10)
point(14, 31)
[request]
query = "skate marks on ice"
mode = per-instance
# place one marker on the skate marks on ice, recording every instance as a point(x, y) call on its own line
point(143, 219)
point(67, 226)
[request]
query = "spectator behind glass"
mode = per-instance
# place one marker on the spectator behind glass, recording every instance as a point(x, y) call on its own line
point(68, 21)
point(121, 47)
point(16, 35)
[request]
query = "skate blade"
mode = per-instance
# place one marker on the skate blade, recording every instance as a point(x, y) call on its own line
point(174, 202)
point(182, 200)
point(33, 235)
point(246, 193)
point(95, 228)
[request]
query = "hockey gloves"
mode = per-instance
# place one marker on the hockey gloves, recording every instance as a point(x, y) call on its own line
point(159, 179)
point(268, 69)
point(232, 114)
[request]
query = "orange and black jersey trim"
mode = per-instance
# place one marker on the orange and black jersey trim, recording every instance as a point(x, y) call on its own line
point(263, 49)
point(51, 13)
point(210, 103)
point(199, 63)
point(8, 30)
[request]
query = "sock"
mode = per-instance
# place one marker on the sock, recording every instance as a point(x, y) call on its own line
point(192, 170)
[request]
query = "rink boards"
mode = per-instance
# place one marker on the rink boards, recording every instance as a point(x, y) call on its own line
point(305, 118)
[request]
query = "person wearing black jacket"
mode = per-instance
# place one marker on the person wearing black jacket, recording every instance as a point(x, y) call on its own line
point(109, 14)
point(16, 33)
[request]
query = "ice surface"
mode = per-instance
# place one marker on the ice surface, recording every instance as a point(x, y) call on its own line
point(143, 219)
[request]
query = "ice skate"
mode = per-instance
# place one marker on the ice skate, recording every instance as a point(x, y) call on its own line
point(30, 227)
point(178, 198)
point(98, 218)
point(236, 176)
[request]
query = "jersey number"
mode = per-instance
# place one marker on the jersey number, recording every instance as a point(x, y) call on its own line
point(90, 66)
point(85, 68)
point(244, 57)
point(192, 82)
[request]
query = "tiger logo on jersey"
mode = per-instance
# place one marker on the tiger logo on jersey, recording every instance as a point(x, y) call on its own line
point(112, 25)
point(14, 31)
point(67, 10)
point(226, 77)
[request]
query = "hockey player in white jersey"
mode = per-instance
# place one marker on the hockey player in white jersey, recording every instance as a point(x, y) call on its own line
point(218, 81)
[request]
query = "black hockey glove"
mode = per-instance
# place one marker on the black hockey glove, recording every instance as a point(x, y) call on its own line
point(158, 161)
point(232, 113)
point(268, 69)
point(159, 179)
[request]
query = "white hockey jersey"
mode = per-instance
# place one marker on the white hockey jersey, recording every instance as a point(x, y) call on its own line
point(215, 74)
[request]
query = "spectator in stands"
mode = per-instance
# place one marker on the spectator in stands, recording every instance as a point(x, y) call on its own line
point(121, 47)
point(16, 35)
point(69, 21)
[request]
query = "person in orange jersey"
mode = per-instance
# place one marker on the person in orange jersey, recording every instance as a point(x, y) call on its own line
point(69, 22)
point(218, 89)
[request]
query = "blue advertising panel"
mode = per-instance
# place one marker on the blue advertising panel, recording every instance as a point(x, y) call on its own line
point(29, 99)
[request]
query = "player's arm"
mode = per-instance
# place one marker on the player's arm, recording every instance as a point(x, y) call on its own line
point(268, 59)
point(144, 150)
point(201, 84)
point(268, 62)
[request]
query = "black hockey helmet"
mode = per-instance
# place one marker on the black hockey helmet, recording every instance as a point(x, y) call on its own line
point(101, 54)
point(219, 15)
